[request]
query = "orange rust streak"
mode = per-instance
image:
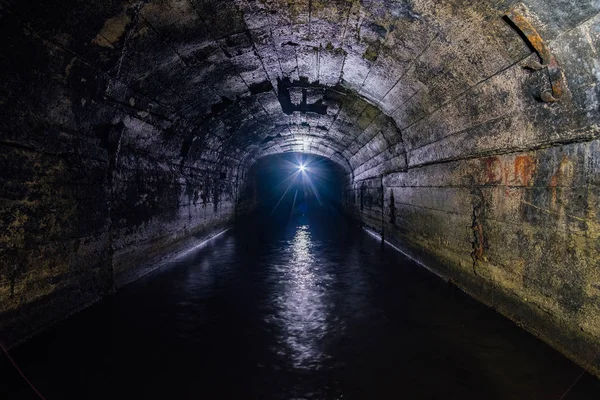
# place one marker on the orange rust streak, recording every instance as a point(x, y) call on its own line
point(493, 171)
point(479, 246)
point(524, 169)
point(531, 34)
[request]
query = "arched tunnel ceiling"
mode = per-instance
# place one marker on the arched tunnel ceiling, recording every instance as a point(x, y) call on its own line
point(127, 128)
point(231, 81)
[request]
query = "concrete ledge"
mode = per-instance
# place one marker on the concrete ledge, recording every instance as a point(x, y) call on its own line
point(155, 253)
point(574, 343)
point(19, 325)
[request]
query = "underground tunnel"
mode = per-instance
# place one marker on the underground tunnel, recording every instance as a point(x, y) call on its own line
point(300, 199)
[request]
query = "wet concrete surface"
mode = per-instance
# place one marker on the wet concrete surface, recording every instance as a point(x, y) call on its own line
point(310, 307)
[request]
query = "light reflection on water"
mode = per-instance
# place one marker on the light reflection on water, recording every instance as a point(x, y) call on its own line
point(298, 311)
point(300, 308)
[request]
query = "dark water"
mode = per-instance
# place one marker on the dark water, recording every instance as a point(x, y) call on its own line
point(316, 309)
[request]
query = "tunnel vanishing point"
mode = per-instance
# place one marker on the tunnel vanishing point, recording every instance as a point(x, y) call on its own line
point(468, 133)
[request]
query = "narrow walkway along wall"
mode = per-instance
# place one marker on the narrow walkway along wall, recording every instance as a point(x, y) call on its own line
point(469, 131)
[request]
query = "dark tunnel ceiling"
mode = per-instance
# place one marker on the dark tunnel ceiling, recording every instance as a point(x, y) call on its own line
point(237, 80)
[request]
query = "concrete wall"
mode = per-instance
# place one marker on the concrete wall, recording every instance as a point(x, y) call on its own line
point(75, 226)
point(94, 192)
point(127, 126)
point(501, 195)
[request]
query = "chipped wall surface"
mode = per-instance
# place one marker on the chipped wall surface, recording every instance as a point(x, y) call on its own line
point(519, 231)
point(129, 128)
point(500, 195)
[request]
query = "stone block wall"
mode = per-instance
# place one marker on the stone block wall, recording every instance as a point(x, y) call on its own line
point(95, 191)
point(501, 195)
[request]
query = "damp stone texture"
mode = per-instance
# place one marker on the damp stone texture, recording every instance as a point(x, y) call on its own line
point(467, 130)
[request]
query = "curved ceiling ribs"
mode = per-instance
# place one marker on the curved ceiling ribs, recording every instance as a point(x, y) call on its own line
point(129, 126)
point(374, 85)
point(339, 79)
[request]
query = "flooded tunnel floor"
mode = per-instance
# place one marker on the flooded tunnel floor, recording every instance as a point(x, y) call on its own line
point(312, 309)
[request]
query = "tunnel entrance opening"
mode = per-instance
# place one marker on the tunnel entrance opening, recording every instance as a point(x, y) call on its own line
point(291, 185)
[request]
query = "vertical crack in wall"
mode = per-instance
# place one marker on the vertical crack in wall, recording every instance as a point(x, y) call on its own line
point(363, 193)
point(381, 193)
point(392, 208)
point(478, 216)
point(129, 31)
point(110, 139)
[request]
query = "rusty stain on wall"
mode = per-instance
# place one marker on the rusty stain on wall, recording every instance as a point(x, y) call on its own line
point(548, 60)
point(561, 177)
point(524, 169)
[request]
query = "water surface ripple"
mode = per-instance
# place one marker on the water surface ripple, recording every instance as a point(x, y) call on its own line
point(310, 309)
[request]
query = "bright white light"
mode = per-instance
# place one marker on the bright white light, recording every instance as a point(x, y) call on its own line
point(302, 167)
